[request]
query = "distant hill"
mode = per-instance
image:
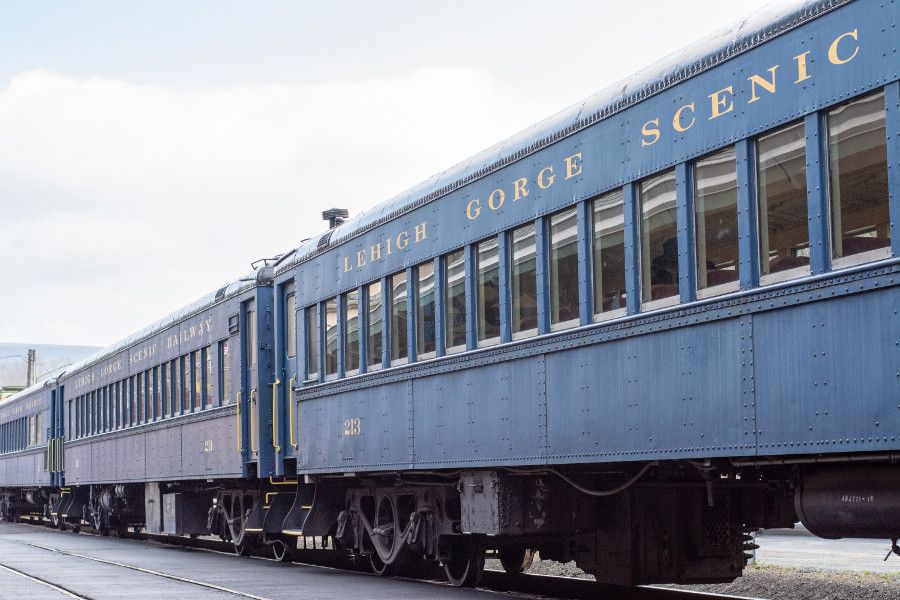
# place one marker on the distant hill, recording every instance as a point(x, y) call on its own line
point(50, 358)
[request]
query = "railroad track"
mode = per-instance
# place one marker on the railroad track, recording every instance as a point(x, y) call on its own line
point(524, 586)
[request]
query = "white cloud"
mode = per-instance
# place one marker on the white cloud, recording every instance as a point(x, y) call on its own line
point(121, 202)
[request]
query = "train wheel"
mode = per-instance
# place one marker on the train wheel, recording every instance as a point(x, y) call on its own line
point(281, 551)
point(378, 567)
point(516, 559)
point(466, 564)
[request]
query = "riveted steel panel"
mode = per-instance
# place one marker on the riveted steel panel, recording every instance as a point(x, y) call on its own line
point(78, 463)
point(665, 395)
point(103, 461)
point(366, 427)
point(131, 457)
point(827, 375)
point(164, 453)
point(484, 414)
point(208, 448)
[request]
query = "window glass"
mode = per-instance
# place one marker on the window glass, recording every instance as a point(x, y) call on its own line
point(224, 373)
point(331, 337)
point(142, 394)
point(715, 219)
point(523, 273)
point(186, 400)
point(374, 343)
point(165, 385)
point(425, 307)
point(351, 326)
point(609, 252)
point(251, 337)
point(208, 375)
point(153, 376)
point(564, 267)
point(176, 386)
point(290, 309)
point(455, 301)
point(198, 379)
point(659, 238)
point(399, 348)
point(857, 158)
point(312, 342)
point(487, 264)
point(781, 193)
point(110, 407)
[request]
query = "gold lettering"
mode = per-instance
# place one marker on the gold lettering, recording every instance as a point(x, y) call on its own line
point(420, 232)
point(498, 194)
point(833, 49)
point(360, 258)
point(550, 180)
point(719, 102)
point(573, 167)
point(473, 209)
point(519, 189)
point(402, 240)
point(801, 67)
point(375, 252)
point(765, 84)
point(389, 240)
point(649, 132)
point(676, 120)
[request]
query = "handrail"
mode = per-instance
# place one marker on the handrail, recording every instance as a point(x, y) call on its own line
point(252, 433)
point(294, 442)
point(62, 457)
point(240, 438)
point(49, 460)
point(275, 445)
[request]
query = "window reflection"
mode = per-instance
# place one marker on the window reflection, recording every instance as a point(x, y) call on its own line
point(659, 238)
point(331, 337)
point(609, 252)
point(488, 300)
point(425, 307)
point(399, 346)
point(455, 301)
point(351, 327)
point(715, 219)
point(564, 268)
point(781, 193)
point(524, 279)
point(374, 343)
point(312, 342)
point(857, 157)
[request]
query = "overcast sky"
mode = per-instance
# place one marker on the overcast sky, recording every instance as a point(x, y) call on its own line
point(150, 151)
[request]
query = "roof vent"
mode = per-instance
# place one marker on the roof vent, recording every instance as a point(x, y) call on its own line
point(335, 216)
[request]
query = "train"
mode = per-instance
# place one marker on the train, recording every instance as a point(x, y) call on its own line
point(630, 336)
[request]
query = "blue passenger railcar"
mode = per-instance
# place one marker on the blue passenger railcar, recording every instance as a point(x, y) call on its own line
point(161, 423)
point(624, 335)
point(28, 451)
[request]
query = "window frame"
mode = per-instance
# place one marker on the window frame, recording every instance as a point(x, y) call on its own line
point(844, 262)
point(729, 286)
point(448, 305)
point(674, 300)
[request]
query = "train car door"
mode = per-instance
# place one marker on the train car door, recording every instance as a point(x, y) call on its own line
point(284, 407)
point(257, 382)
point(249, 402)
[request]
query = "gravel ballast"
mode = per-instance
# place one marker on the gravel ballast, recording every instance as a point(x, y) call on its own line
point(772, 582)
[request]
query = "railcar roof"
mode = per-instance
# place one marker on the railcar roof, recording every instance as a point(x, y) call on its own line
point(227, 291)
point(29, 391)
point(764, 24)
